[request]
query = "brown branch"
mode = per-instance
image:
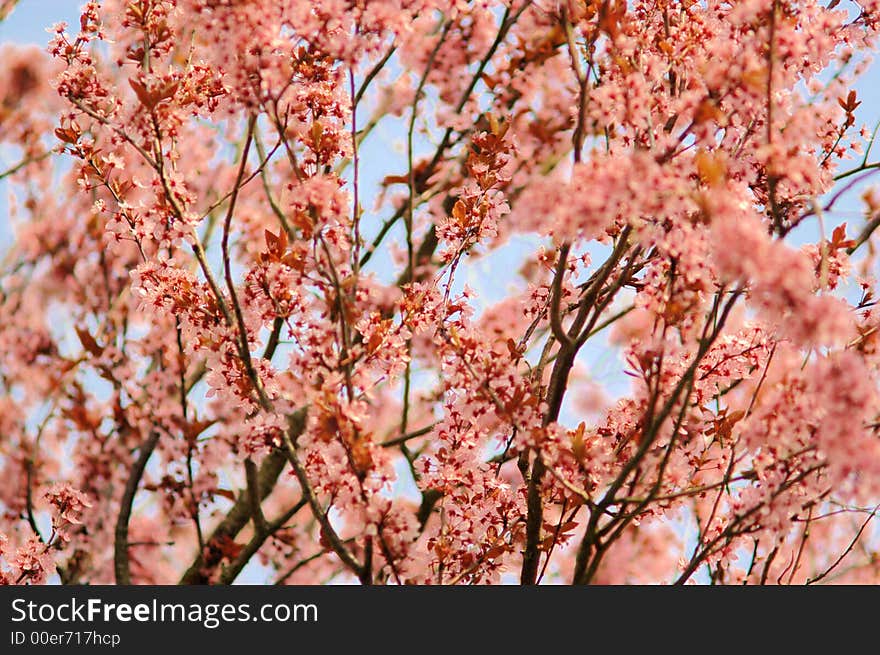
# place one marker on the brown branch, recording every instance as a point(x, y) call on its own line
point(120, 547)
point(566, 356)
point(319, 513)
point(231, 572)
point(23, 163)
point(733, 530)
point(253, 492)
point(584, 568)
point(243, 345)
point(413, 434)
point(374, 71)
point(848, 550)
point(240, 512)
point(556, 296)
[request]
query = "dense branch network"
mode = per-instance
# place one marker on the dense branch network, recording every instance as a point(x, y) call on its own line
point(246, 334)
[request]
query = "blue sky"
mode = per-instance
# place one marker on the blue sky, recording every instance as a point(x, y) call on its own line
point(29, 20)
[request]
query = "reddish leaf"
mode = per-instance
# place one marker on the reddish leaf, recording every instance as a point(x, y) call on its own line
point(142, 93)
point(88, 341)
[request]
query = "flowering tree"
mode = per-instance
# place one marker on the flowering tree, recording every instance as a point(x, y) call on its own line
point(236, 336)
